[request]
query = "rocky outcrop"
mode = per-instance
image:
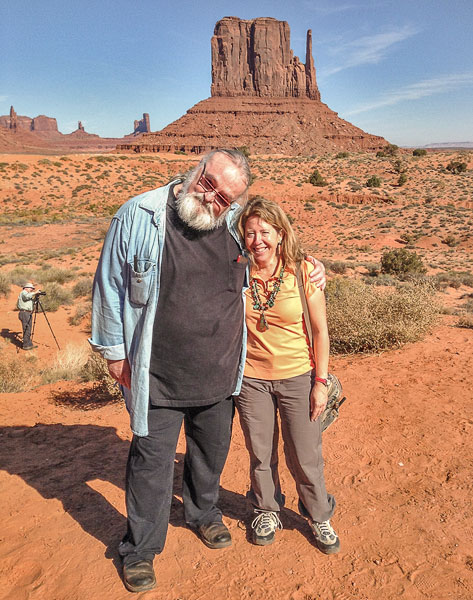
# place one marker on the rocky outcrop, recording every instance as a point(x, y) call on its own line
point(40, 134)
point(263, 98)
point(254, 58)
point(39, 124)
point(42, 124)
point(290, 126)
point(142, 126)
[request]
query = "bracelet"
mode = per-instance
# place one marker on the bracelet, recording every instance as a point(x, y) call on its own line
point(323, 381)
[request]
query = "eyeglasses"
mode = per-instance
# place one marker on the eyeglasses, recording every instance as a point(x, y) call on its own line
point(208, 188)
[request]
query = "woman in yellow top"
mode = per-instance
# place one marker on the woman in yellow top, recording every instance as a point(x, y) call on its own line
point(283, 374)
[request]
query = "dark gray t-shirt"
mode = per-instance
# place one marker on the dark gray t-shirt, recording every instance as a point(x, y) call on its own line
point(198, 325)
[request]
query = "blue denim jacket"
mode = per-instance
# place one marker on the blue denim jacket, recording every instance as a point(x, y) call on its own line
point(125, 297)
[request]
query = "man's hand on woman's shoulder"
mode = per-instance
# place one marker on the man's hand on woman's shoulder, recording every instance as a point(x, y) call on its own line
point(318, 274)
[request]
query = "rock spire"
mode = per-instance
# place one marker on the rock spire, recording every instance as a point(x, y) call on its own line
point(254, 58)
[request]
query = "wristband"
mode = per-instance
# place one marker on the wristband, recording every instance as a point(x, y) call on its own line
point(323, 381)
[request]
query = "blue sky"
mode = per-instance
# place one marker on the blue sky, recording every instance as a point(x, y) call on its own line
point(402, 69)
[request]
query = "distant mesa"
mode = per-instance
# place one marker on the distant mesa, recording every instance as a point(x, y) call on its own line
point(262, 97)
point(40, 134)
point(39, 124)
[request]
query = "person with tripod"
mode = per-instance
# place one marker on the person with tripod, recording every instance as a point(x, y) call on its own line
point(25, 305)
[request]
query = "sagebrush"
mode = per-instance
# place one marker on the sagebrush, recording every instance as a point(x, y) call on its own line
point(364, 318)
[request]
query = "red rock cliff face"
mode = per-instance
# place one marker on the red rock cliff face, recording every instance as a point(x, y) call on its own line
point(263, 98)
point(254, 58)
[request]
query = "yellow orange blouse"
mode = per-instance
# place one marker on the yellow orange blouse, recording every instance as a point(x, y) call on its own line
point(282, 351)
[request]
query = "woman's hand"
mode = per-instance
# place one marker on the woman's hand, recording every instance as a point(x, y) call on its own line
point(317, 276)
point(318, 400)
point(120, 371)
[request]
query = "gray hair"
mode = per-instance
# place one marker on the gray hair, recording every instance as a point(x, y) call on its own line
point(237, 158)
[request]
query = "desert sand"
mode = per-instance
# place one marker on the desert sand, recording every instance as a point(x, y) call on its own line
point(399, 459)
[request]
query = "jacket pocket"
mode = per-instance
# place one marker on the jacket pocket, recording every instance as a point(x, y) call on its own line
point(140, 281)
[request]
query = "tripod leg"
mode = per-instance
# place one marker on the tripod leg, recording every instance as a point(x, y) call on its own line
point(49, 324)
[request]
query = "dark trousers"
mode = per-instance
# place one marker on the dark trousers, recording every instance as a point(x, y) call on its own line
point(150, 470)
point(25, 317)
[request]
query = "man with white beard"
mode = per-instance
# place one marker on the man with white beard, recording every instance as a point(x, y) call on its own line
point(168, 315)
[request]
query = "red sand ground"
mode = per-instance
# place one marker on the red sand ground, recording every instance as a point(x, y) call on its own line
point(399, 462)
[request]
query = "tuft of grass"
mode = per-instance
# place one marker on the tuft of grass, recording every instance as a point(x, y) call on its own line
point(68, 364)
point(364, 318)
point(83, 287)
point(55, 297)
point(54, 274)
point(17, 374)
point(5, 285)
point(82, 310)
point(465, 321)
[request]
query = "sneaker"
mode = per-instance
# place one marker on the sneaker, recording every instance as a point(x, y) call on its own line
point(326, 539)
point(264, 527)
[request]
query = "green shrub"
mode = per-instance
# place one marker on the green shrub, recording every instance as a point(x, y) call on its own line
point(402, 179)
point(363, 318)
point(389, 150)
point(399, 166)
point(402, 263)
point(317, 179)
point(456, 167)
point(342, 155)
point(245, 151)
point(450, 240)
point(419, 152)
point(373, 181)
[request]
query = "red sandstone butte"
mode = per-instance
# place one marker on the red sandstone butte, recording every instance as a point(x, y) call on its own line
point(263, 97)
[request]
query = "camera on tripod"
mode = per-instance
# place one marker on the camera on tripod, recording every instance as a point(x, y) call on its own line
point(40, 294)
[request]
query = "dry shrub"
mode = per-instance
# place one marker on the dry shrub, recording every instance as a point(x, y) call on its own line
point(5, 285)
point(105, 387)
point(68, 364)
point(17, 373)
point(364, 318)
point(56, 296)
point(82, 309)
point(465, 321)
point(83, 287)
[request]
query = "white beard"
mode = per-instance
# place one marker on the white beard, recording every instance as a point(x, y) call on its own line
point(196, 213)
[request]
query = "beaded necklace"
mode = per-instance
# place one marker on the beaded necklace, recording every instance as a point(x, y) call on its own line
point(258, 305)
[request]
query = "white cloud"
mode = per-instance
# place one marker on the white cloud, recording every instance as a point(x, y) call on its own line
point(415, 91)
point(370, 49)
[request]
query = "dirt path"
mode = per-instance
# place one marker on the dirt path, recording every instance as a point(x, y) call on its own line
point(399, 463)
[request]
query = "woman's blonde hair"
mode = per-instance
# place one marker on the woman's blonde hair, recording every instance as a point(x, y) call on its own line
point(270, 212)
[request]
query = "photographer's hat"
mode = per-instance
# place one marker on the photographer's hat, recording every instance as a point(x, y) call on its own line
point(28, 285)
